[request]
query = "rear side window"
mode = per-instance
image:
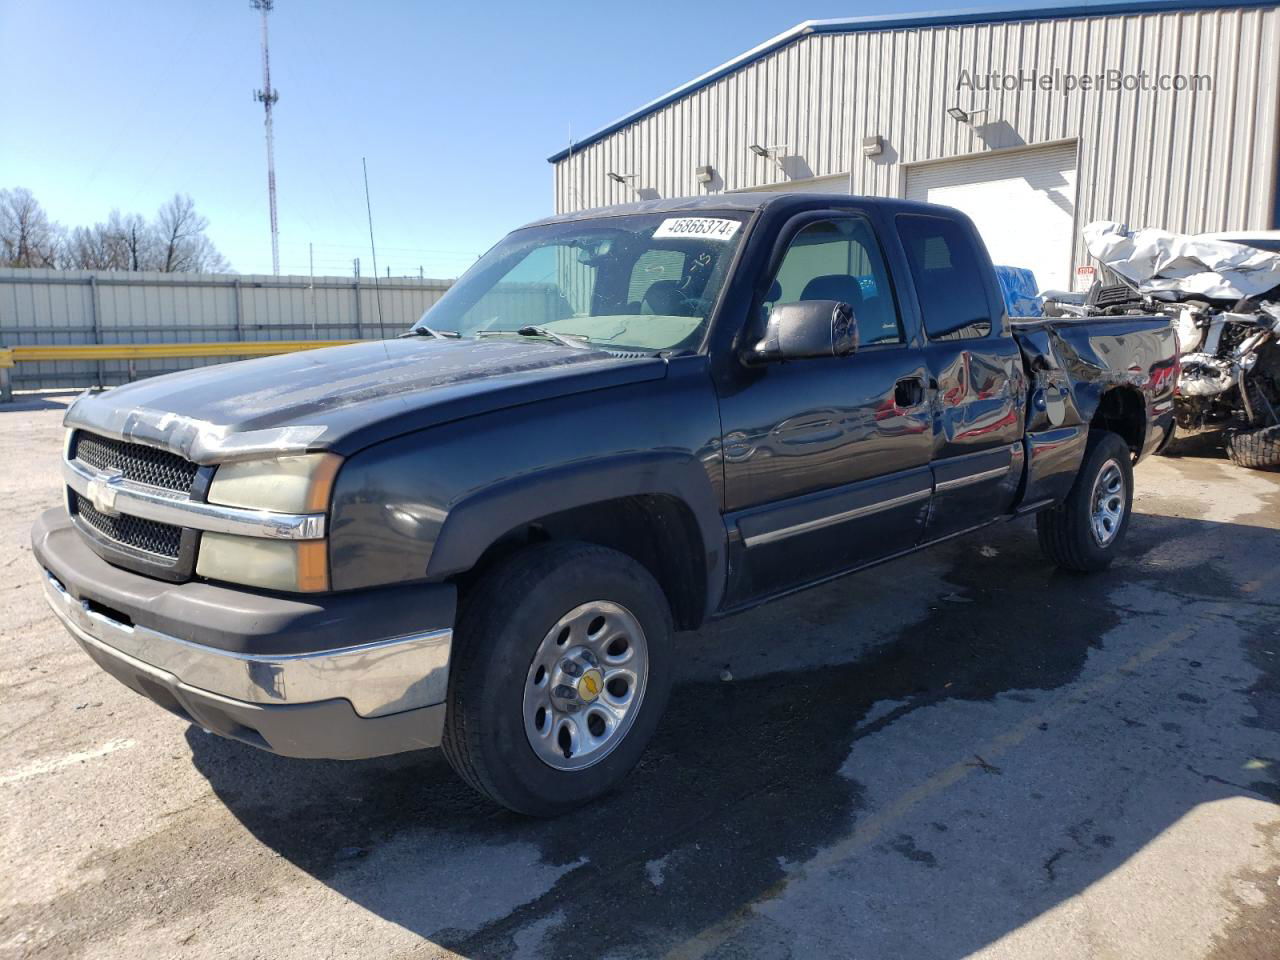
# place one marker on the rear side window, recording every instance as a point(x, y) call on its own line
point(947, 278)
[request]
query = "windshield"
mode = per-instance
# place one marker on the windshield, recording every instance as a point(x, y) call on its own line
point(641, 282)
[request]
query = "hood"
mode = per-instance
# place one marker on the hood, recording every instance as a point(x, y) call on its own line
point(343, 398)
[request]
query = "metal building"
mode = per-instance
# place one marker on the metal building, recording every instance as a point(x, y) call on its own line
point(1034, 122)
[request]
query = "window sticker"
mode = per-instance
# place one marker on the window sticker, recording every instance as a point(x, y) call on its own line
point(702, 228)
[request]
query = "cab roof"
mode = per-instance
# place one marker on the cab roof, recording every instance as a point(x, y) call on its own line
point(738, 203)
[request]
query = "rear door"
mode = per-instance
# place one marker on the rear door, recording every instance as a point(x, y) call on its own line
point(976, 383)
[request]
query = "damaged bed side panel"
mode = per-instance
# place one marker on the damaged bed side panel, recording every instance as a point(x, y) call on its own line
point(1112, 372)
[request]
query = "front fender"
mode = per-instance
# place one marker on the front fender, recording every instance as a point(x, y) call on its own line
point(427, 505)
point(480, 520)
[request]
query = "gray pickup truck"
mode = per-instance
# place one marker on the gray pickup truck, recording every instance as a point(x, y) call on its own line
point(619, 424)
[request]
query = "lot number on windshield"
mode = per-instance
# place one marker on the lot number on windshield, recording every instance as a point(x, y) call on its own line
point(706, 228)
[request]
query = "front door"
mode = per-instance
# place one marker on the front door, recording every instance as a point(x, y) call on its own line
point(827, 460)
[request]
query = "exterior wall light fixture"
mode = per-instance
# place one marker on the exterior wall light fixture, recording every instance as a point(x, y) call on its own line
point(961, 115)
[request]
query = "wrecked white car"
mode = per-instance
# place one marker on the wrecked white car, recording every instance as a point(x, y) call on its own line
point(1223, 293)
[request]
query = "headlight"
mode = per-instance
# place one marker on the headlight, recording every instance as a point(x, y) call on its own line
point(293, 484)
point(290, 565)
point(299, 484)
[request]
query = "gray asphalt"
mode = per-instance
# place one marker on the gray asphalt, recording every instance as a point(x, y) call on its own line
point(960, 753)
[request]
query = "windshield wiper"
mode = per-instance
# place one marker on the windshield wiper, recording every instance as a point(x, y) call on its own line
point(560, 338)
point(535, 331)
point(423, 331)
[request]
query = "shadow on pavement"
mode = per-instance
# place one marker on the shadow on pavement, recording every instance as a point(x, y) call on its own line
point(744, 778)
point(1210, 445)
point(43, 400)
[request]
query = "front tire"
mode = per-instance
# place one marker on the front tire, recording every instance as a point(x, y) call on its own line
point(1084, 532)
point(561, 671)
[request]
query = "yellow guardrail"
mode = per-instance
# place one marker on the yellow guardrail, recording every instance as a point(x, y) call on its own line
point(11, 356)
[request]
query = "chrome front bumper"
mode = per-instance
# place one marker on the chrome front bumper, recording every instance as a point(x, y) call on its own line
point(287, 674)
point(385, 677)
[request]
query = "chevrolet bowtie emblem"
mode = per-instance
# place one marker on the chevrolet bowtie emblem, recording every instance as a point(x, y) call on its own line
point(102, 492)
point(590, 685)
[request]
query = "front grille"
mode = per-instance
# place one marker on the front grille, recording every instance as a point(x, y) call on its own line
point(136, 462)
point(160, 539)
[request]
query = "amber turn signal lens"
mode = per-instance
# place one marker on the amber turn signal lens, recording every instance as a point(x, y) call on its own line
point(322, 477)
point(313, 566)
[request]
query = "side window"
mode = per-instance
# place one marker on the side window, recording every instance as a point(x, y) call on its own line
point(840, 260)
point(947, 278)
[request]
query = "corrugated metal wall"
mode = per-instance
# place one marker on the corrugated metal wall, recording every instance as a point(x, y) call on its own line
point(1187, 161)
point(80, 306)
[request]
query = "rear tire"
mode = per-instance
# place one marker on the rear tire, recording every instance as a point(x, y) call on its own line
point(1084, 532)
point(1256, 449)
point(560, 673)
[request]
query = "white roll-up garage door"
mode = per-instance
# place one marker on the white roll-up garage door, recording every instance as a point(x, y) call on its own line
point(1023, 202)
point(836, 184)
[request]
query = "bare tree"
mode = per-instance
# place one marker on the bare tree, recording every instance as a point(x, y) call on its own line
point(93, 248)
point(136, 239)
point(174, 241)
point(88, 249)
point(181, 241)
point(122, 243)
point(28, 238)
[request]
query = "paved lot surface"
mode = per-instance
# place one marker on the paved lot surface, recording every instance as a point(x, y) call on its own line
point(964, 752)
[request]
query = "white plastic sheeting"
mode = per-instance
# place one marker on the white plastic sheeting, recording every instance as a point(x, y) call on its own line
point(1156, 261)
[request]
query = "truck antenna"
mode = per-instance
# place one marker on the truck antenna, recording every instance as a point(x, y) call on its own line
point(377, 293)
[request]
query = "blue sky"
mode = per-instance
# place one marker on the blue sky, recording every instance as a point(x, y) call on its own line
point(455, 105)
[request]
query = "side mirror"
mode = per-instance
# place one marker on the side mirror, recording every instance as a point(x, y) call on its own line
point(810, 328)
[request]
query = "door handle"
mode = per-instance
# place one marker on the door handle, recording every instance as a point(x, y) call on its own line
point(908, 392)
